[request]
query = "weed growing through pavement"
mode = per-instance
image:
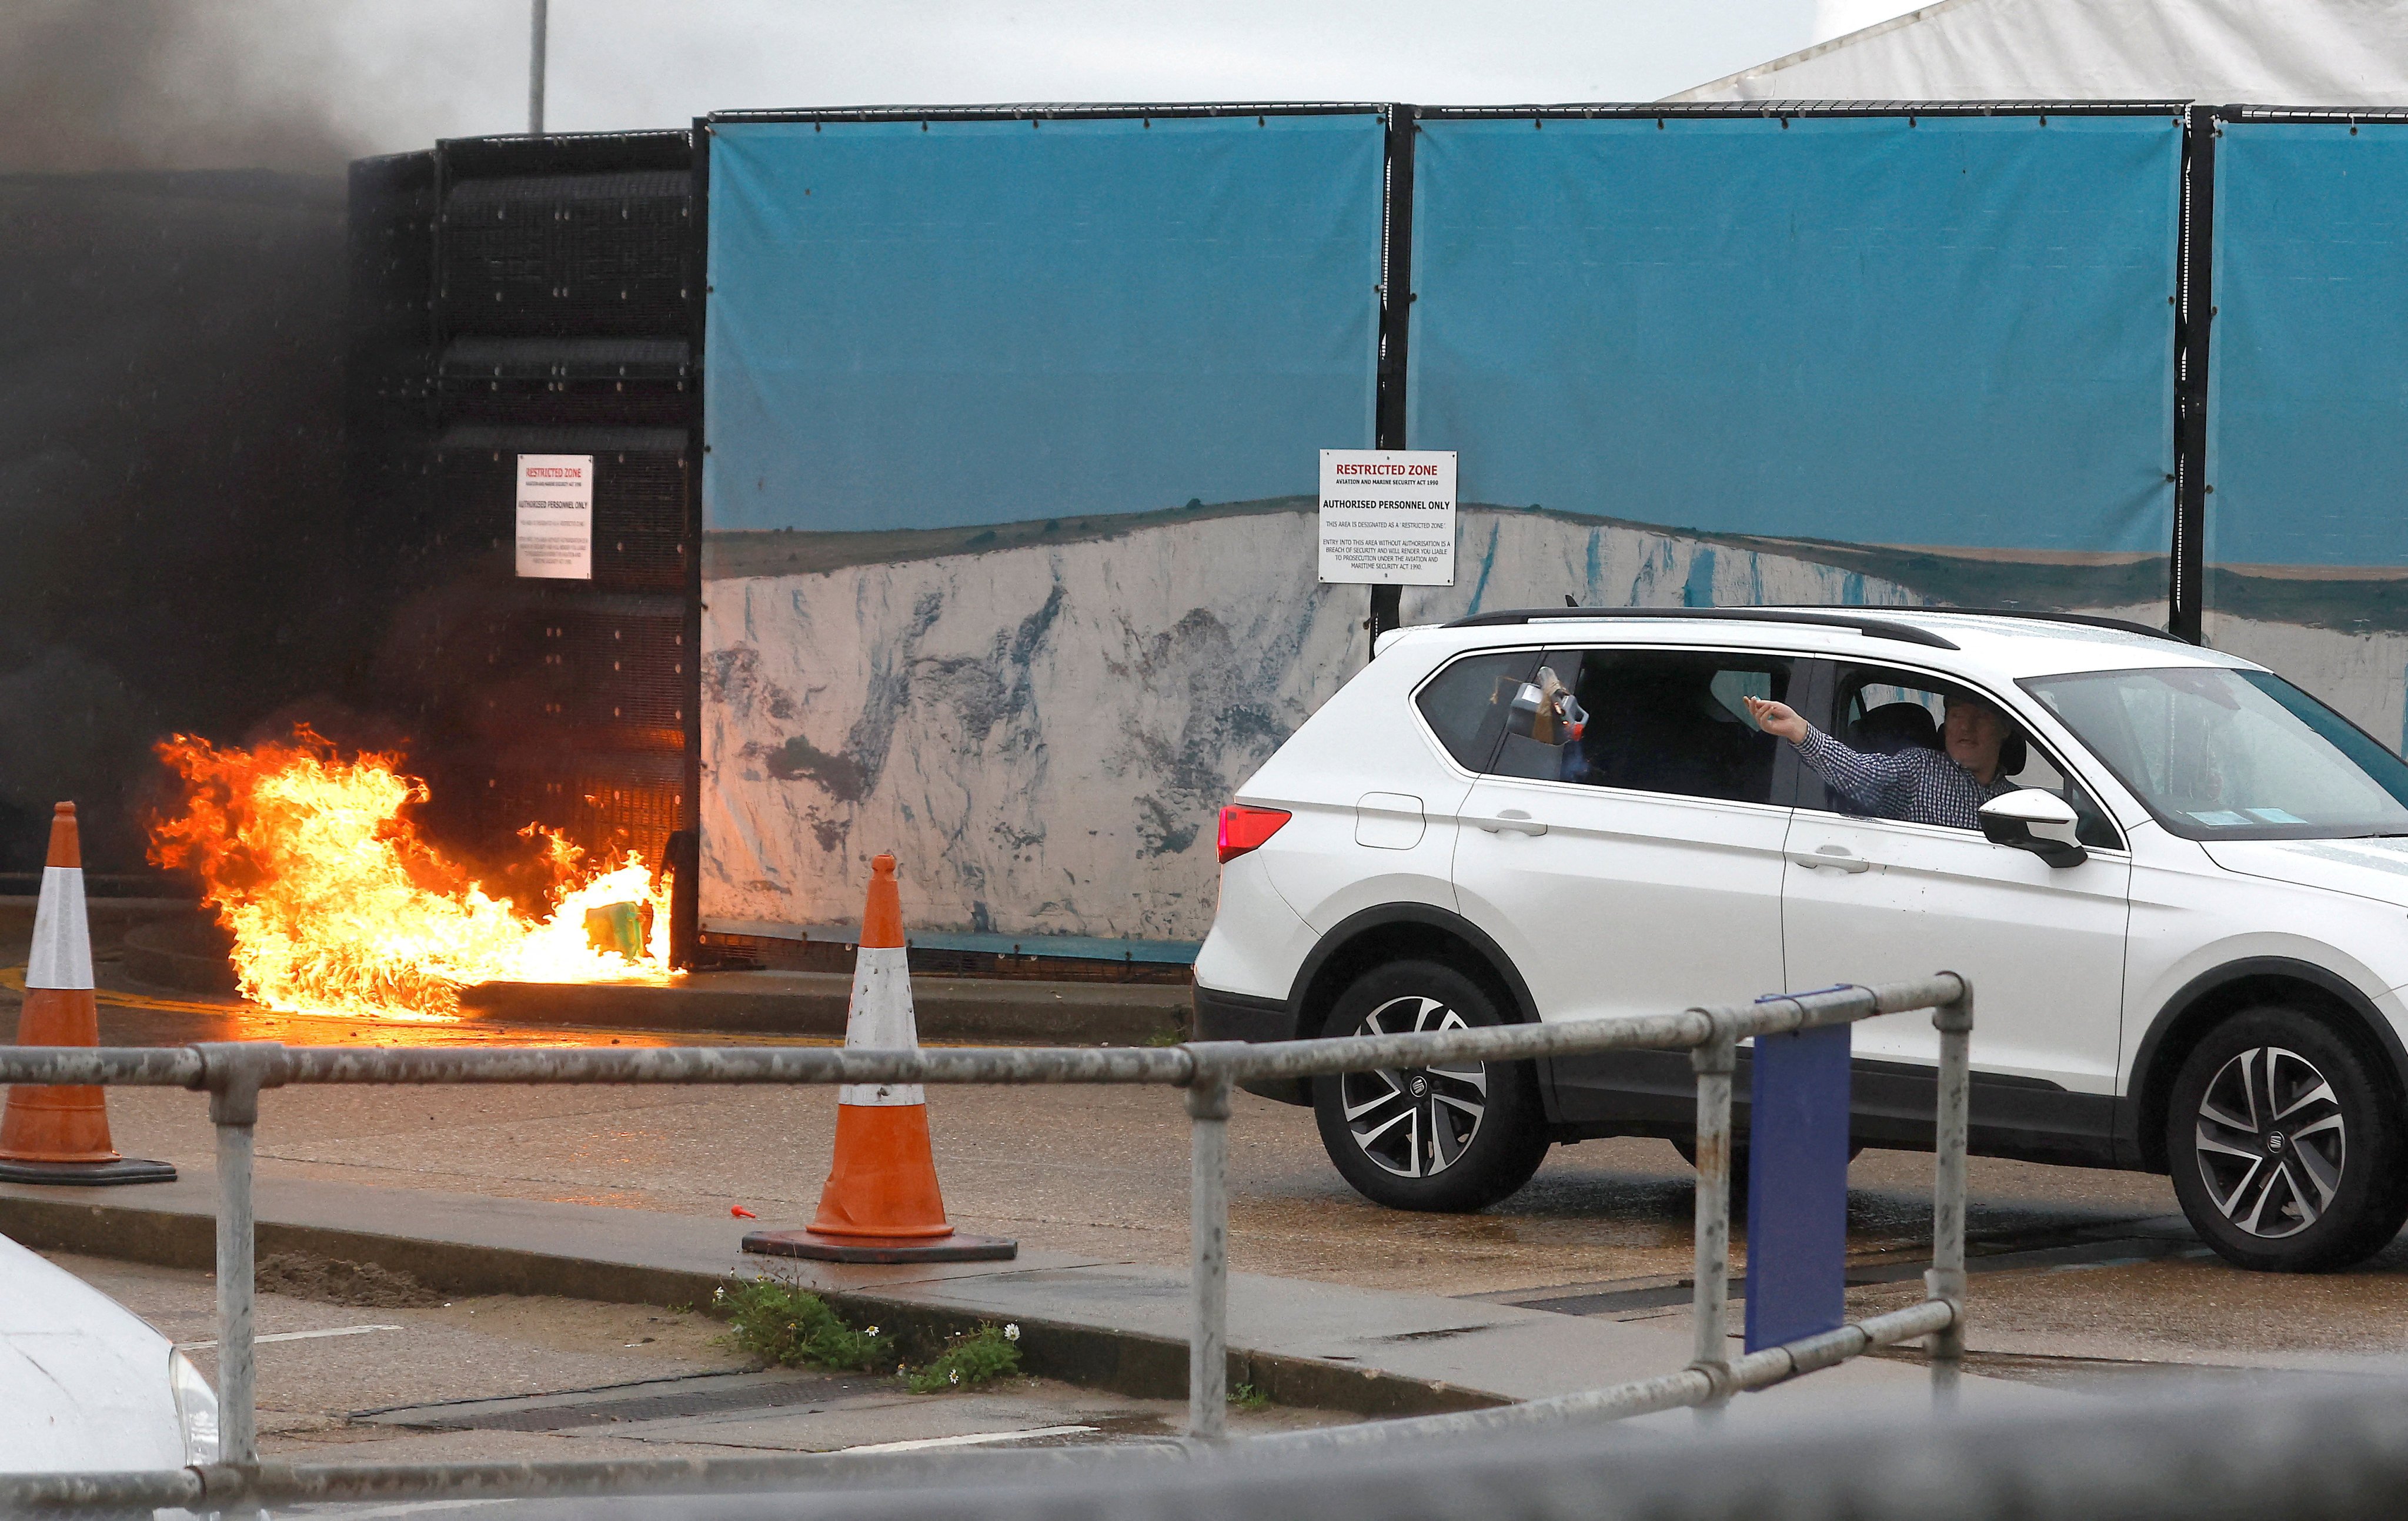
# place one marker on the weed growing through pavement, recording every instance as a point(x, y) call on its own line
point(790, 1326)
point(1166, 1037)
point(1246, 1397)
point(969, 1359)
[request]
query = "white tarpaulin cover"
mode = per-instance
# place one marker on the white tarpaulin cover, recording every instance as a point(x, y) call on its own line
point(2286, 52)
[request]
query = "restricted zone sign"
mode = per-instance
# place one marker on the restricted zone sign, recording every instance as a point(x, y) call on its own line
point(555, 517)
point(1387, 517)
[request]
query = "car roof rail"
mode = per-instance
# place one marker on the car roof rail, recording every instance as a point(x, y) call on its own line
point(1879, 628)
point(2087, 620)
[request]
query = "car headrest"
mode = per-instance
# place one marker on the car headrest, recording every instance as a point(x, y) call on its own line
point(1893, 726)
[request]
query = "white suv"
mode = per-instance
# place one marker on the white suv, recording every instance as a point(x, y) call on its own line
point(2182, 912)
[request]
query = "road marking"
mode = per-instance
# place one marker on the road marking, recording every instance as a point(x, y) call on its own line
point(294, 1336)
point(13, 979)
point(414, 1507)
point(977, 1440)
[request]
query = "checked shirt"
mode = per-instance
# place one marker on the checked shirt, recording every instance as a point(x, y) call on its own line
point(1919, 785)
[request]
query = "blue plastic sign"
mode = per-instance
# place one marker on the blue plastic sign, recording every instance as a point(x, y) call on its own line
point(1798, 1185)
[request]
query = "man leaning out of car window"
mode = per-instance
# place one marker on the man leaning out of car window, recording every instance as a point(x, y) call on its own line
point(1945, 788)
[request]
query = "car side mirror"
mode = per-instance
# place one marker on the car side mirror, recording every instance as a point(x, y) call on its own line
point(2030, 819)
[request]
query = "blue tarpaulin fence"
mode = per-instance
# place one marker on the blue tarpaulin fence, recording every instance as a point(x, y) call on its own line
point(1898, 330)
point(924, 325)
point(2306, 439)
point(1011, 423)
point(2308, 415)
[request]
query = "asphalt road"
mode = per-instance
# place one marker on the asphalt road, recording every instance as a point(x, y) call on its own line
point(2084, 1266)
point(2077, 1270)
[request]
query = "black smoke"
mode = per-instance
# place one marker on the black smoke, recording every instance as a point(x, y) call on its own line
point(174, 543)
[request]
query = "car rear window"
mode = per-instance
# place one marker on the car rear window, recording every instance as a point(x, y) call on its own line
point(1662, 720)
point(1465, 703)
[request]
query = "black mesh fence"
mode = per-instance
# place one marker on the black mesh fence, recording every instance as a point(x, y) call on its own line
point(532, 297)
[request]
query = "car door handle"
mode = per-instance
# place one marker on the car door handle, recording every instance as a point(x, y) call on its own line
point(1512, 821)
point(1831, 857)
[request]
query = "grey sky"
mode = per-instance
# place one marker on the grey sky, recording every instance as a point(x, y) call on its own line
point(208, 83)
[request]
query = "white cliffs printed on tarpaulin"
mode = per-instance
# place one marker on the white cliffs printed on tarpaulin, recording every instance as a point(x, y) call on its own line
point(1041, 719)
point(1043, 732)
point(1042, 735)
point(2363, 673)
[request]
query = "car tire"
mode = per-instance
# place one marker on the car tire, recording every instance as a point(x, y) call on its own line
point(1450, 1138)
point(2285, 1145)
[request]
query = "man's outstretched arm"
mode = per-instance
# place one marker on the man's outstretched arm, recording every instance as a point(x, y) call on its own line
point(1878, 783)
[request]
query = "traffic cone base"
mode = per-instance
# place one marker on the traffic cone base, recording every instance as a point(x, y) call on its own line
point(956, 1247)
point(88, 1174)
point(882, 1203)
point(54, 1134)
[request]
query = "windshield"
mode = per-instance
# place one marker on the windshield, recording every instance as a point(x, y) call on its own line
point(2233, 754)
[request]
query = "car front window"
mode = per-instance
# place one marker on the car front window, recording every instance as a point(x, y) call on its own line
point(2224, 754)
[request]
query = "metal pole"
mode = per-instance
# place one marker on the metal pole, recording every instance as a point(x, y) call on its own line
point(1207, 1341)
point(1387, 612)
point(1713, 1062)
point(235, 1114)
point(1388, 415)
point(536, 46)
point(233, 1073)
point(1947, 1279)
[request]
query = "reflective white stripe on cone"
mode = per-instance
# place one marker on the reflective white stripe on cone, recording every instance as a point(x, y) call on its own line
point(61, 954)
point(880, 1016)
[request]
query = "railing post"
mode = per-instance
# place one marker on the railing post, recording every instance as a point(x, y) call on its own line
point(1207, 1341)
point(233, 1073)
point(1947, 1279)
point(1713, 1062)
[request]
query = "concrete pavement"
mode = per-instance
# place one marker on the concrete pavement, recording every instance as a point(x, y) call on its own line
point(1113, 1324)
point(1100, 1175)
point(490, 1378)
point(152, 952)
point(995, 1012)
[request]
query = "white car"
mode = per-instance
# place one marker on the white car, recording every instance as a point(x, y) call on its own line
point(88, 1385)
point(2181, 904)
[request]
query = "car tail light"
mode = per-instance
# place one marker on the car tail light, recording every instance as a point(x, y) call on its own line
point(1243, 828)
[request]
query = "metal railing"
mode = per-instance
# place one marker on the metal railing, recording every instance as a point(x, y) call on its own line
point(235, 1073)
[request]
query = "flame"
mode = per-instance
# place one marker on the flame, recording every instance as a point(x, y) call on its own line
point(336, 904)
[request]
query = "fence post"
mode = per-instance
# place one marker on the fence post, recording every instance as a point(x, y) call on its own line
point(1713, 1062)
point(233, 1073)
point(1947, 1279)
point(1207, 1341)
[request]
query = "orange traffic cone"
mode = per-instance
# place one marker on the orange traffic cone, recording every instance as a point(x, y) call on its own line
point(55, 1134)
point(881, 1203)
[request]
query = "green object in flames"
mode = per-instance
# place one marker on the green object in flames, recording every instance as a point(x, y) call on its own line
point(617, 927)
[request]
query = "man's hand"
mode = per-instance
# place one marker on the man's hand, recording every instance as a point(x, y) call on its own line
point(1776, 718)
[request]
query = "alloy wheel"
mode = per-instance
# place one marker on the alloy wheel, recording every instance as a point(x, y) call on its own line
point(1414, 1120)
point(2271, 1143)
